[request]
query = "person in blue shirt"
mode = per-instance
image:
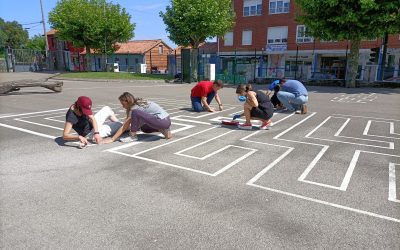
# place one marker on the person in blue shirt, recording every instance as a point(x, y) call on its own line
point(293, 96)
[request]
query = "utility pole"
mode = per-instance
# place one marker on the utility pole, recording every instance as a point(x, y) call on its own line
point(382, 57)
point(44, 30)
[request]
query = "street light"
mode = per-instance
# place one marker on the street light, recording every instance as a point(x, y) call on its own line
point(44, 29)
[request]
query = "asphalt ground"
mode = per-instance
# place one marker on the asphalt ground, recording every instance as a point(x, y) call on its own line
point(325, 180)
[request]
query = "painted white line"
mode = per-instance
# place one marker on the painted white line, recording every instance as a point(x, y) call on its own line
point(328, 203)
point(177, 118)
point(41, 115)
point(54, 120)
point(271, 165)
point(368, 117)
point(391, 130)
point(131, 144)
point(303, 176)
point(366, 129)
point(343, 126)
point(390, 144)
point(221, 118)
point(174, 141)
point(292, 127)
point(28, 131)
point(392, 183)
point(210, 113)
point(176, 112)
point(252, 151)
point(38, 124)
point(31, 113)
point(186, 168)
point(317, 127)
point(350, 171)
point(202, 143)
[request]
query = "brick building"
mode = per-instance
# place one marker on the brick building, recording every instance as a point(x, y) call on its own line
point(129, 56)
point(63, 55)
point(267, 42)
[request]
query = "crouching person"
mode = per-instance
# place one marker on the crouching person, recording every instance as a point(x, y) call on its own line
point(142, 115)
point(257, 106)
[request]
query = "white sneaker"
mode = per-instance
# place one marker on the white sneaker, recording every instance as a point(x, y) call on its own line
point(129, 138)
point(266, 125)
point(245, 126)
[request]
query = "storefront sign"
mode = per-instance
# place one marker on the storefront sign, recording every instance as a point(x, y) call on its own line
point(276, 47)
point(299, 57)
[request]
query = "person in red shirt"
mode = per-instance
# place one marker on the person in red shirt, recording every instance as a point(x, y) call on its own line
point(203, 93)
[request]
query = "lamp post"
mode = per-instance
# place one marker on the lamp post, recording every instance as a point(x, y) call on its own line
point(44, 29)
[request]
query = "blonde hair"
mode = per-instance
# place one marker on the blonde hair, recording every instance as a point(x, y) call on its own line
point(132, 101)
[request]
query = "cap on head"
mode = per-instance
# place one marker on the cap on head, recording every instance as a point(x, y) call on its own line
point(85, 103)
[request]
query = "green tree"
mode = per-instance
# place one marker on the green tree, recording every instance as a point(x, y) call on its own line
point(37, 42)
point(92, 24)
point(191, 22)
point(12, 35)
point(352, 20)
point(116, 27)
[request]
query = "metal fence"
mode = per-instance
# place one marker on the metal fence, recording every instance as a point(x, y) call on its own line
point(21, 60)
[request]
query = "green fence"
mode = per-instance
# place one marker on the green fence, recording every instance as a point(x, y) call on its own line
point(233, 79)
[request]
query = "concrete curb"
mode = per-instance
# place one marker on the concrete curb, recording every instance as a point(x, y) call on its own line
point(104, 80)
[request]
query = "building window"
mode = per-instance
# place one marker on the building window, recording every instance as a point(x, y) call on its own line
point(279, 6)
point(277, 35)
point(247, 37)
point(301, 35)
point(228, 39)
point(252, 8)
point(160, 50)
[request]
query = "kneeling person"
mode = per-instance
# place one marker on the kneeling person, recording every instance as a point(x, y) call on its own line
point(203, 93)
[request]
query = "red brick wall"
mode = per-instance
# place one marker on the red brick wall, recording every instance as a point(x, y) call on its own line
point(259, 26)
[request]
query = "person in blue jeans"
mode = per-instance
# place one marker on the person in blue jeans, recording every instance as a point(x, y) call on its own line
point(203, 93)
point(293, 95)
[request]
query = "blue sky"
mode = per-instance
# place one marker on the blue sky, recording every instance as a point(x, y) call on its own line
point(143, 12)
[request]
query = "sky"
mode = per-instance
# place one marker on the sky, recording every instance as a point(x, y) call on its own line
point(144, 13)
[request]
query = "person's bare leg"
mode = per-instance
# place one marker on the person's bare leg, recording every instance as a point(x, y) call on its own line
point(113, 118)
point(247, 112)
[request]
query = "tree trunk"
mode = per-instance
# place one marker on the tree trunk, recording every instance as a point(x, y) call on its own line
point(194, 64)
point(352, 64)
point(88, 68)
point(104, 59)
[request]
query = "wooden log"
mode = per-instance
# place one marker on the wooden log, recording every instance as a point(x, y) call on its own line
point(7, 87)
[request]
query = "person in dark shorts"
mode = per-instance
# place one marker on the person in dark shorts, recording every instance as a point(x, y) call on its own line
point(257, 106)
point(275, 86)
